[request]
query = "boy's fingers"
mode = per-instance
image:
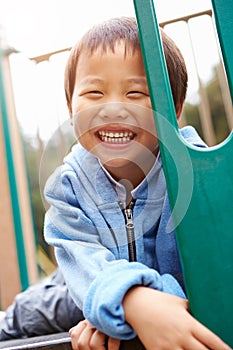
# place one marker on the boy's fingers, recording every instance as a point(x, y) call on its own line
point(84, 341)
point(211, 340)
point(98, 341)
point(81, 336)
point(195, 344)
point(77, 330)
point(75, 334)
point(215, 343)
point(113, 343)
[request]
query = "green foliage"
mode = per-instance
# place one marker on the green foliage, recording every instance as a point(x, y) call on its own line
point(33, 163)
point(41, 161)
point(192, 117)
point(217, 110)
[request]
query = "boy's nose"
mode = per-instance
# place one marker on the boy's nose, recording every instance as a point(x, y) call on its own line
point(114, 110)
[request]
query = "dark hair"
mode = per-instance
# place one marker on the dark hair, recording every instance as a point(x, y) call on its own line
point(107, 34)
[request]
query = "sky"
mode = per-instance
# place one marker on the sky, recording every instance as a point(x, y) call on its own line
point(36, 27)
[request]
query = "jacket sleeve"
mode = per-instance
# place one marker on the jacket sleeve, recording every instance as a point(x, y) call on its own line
point(96, 280)
point(43, 308)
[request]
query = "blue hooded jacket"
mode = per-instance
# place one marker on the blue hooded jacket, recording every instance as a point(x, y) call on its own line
point(86, 224)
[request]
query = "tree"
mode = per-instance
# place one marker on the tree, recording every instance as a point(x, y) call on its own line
point(217, 110)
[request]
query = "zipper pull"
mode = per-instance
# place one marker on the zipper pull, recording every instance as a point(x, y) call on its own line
point(129, 224)
point(129, 219)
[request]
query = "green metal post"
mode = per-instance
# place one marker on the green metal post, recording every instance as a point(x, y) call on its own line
point(158, 81)
point(12, 182)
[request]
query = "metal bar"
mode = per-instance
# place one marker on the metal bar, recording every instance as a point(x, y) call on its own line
point(186, 18)
point(46, 57)
point(58, 341)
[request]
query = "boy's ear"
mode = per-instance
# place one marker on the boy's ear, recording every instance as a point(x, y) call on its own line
point(70, 112)
point(69, 108)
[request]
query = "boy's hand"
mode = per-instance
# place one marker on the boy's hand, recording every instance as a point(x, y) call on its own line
point(85, 337)
point(162, 322)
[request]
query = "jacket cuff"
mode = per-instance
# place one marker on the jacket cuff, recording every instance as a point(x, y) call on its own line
point(103, 303)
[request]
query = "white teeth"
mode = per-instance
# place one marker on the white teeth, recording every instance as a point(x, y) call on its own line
point(116, 137)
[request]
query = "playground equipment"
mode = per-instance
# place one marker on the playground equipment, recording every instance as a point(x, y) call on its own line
point(199, 182)
point(17, 247)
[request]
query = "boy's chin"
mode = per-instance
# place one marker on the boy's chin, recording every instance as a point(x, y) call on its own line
point(115, 163)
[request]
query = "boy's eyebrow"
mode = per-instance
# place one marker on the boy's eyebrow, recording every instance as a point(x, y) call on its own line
point(137, 80)
point(91, 80)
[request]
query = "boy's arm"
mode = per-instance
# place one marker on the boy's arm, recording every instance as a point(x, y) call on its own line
point(162, 321)
point(96, 280)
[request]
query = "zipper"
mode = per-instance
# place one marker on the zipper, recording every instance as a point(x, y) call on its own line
point(129, 224)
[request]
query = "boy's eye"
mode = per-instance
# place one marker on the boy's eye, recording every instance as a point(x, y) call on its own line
point(94, 92)
point(136, 93)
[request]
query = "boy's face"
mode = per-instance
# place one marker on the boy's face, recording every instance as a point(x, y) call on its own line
point(112, 109)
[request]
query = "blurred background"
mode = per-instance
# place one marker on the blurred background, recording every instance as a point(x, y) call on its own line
point(35, 133)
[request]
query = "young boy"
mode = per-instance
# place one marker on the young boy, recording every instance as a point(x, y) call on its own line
point(108, 202)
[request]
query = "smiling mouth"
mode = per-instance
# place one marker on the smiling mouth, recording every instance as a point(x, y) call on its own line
point(116, 137)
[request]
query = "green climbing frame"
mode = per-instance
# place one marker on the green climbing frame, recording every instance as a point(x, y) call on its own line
point(199, 181)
